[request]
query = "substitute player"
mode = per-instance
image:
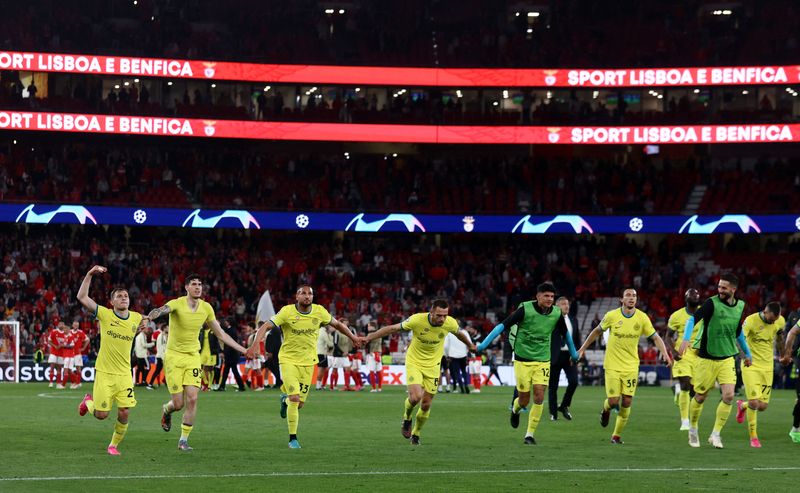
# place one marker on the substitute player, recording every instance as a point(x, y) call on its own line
point(621, 364)
point(423, 360)
point(113, 381)
point(300, 324)
point(716, 348)
point(187, 316)
point(759, 330)
point(531, 327)
point(682, 369)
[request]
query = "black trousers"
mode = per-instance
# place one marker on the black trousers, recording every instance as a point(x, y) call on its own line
point(458, 372)
point(274, 366)
point(571, 370)
point(159, 367)
point(141, 368)
point(232, 365)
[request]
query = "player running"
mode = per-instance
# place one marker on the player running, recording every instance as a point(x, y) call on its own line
point(682, 369)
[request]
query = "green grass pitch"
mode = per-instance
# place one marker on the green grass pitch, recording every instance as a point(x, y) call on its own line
point(352, 442)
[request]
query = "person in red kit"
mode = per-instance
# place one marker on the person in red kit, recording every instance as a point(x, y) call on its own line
point(374, 363)
point(80, 344)
point(57, 341)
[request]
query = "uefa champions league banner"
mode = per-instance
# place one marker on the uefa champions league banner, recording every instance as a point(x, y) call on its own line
point(395, 222)
point(429, 134)
point(397, 76)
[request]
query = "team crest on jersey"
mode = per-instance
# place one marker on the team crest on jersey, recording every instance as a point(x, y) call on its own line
point(291, 388)
point(410, 379)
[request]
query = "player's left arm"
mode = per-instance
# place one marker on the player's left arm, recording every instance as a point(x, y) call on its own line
point(342, 328)
point(662, 348)
point(222, 335)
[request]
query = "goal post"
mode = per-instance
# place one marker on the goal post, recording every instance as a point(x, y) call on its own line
point(9, 351)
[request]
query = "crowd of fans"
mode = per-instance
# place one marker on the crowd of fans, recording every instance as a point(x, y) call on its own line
point(209, 176)
point(579, 33)
point(364, 278)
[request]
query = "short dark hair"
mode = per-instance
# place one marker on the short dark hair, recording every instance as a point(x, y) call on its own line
point(304, 286)
point(191, 277)
point(731, 278)
point(439, 303)
point(773, 307)
point(545, 287)
point(114, 292)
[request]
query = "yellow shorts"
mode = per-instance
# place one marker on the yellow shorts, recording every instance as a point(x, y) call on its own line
point(181, 370)
point(206, 358)
point(757, 383)
point(296, 379)
point(427, 377)
point(529, 373)
point(684, 366)
point(707, 371)
point(109, 388)
point(621, 383)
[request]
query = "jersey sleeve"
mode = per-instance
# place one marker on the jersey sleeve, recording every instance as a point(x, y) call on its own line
point(673, 323)
point(411, 322)
point(210, 315)
point(607, 322)
point(779, 324)
point(451, 325)
point(647, 326)
point(280, 318)
point(324, 315)
point(102, 313)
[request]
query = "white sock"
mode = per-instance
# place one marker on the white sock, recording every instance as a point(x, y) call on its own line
point(677, 388)
point(714, 433)
point(795, 430)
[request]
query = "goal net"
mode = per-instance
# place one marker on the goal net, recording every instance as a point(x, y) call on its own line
point(9, 351)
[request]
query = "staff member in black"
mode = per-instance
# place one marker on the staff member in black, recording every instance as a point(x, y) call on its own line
point(560, 360)
point(230, 358)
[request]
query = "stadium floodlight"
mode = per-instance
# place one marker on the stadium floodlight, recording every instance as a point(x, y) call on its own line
point(533, 14)
point(328, 11)
point(9, 351)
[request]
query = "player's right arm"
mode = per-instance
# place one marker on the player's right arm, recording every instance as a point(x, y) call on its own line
point(157, 312)
point(260, 334)
point(384, 331)
point(593, 335)
point(83, 291)
point(513, 319)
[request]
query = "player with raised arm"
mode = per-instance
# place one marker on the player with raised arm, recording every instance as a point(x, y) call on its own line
point(187, 316)
point(113, 381)
point(423, 360)
point(300, 324)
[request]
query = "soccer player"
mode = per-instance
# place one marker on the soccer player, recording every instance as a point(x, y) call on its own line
point(113, 382)
point(759, 331)
point(531, 327)
point(716, 348)
point(682, 369)
point(423, 360)
point(81, 344)
point(187, 316)
point(300, 324)
point(209, 351)
point(625, 326)
point(56, 340)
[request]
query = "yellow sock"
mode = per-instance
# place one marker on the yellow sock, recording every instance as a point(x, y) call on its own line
point(516, 407)
point(622, 420)
point(422, 418)
point(293, 416)
point(119, 433)
point(90, 407)
point(409, 409)
point(723, 411)
point(752, 422)
point(606, 405)
point(683, 404)
point(533, 417)
point(185, 430)
point(695, 409)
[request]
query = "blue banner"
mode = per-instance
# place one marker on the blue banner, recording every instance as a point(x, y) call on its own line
point(394, 222)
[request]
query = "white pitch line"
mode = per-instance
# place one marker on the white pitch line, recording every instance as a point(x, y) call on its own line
point(402, 473)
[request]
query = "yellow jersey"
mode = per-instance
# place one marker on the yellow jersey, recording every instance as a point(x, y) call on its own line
point(677, 323)
point(300, 333)
point(760, 336)
point(185, 324)
point(622, 350)
point(427, 341)
point(116, 340)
